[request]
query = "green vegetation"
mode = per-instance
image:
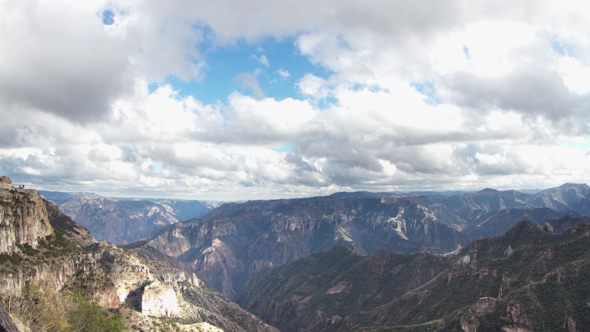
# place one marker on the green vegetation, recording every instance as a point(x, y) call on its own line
point(12, 259)
point(56, 245)
point(63, 223)
point(51, 247)
point(44, 310)
point(27, 249)
point(90, 316)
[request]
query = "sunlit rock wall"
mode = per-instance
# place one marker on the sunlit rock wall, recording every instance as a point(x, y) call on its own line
point(23, 218)
point(159, 300)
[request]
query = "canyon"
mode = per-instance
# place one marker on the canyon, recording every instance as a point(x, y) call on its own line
point(47, 249)
point(349, 261)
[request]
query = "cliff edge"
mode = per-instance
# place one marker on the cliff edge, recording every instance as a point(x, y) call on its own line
point(23, 218)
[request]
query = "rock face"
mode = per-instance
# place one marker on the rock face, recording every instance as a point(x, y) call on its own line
point(159, 300)
point(235, 241)
point(23, 218)
point(77, 271)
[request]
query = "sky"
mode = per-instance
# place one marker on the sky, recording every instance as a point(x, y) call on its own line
point(262, 99)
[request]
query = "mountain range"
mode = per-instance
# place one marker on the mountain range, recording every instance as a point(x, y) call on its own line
point(346, 262)
point(125, 220)
point(236, 240)
point(530, 279)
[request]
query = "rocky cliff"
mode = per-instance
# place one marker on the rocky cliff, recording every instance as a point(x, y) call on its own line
point(235, 241)
point(153, 291)
point(23, 218)
point(57, 264)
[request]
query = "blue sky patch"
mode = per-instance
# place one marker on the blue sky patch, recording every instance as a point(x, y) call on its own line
point(158, 165)
point(562, 48)
point(427, 89)
point(287, 148)
point(276, 66)
point(108, 17)
point(466, 51)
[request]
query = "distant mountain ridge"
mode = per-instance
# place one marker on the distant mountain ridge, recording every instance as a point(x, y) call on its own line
point(125, 220)
point(476, 213)
point(235, 241)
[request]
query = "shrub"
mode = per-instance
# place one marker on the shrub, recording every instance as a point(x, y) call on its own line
point(44, 310)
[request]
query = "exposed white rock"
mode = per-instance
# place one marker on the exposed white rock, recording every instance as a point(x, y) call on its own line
point(128, 275)
point(23, 218)
point(508, 252)
point(159, 300)
point(465, 260)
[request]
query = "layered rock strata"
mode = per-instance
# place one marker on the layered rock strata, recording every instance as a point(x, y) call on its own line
point(23, 218)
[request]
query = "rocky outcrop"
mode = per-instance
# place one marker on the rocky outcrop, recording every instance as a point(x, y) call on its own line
point(160, 286)
point(67, 272)
point(485, 306)
point(159, 300)
point(23, 219)
point(34, 252)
